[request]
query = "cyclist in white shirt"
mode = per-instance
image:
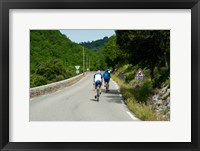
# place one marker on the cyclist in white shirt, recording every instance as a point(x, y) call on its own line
point(97, 79)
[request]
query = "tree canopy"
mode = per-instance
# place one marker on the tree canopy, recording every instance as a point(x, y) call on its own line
point(95, 45)
point(147, 48)
point(53, 57)
point(112, 53)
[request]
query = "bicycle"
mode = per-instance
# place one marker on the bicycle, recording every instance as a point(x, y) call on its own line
point(106, 85)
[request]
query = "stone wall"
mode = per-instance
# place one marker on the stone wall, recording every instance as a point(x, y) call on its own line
point(49, 88)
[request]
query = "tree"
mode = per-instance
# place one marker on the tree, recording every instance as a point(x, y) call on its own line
point(147, 48)
point(53, 56)
point(112, 53)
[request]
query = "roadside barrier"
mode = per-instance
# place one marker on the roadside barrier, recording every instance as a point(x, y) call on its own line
point(52, 87)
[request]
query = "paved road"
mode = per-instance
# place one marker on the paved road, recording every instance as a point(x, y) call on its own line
point(77, 103)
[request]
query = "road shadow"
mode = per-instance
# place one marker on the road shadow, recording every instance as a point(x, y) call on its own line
point(111, 91)
point(113, 96)
point(93, 100)
point(114, 99)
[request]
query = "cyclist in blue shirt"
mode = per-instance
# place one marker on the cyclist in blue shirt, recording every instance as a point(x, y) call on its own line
point(106, 77)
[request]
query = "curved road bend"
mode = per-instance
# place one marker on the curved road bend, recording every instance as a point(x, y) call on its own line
point(77, 103)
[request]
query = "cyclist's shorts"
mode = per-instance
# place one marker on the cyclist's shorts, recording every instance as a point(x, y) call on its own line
point(97, 83)
point(106, 80)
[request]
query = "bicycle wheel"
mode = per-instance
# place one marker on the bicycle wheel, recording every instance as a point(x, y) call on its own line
point(106, 87)
point(97, 93)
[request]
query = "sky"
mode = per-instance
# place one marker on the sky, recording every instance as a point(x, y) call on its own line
point(79, 35)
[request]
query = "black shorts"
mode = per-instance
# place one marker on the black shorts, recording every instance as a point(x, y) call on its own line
point(106, 80)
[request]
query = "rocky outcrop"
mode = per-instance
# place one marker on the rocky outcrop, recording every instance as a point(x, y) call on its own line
point(161, 102)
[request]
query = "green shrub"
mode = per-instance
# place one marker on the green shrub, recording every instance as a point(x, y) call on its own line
point(142, 111)
point(142, 93)
point(161, 76)
point(121, 70)
point(69, 73)
point(58, 78)
point(129, 68)
point(168, 81)
point(52, 69)
point(146, 72)
point(129, 77)
point(37, 80)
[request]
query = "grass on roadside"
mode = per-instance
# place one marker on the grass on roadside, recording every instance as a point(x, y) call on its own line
point(142, 110)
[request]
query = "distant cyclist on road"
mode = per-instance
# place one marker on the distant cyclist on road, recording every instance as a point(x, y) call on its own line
point(98, 79)
point(106, 77)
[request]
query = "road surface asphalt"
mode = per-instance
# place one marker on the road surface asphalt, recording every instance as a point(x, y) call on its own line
point(77, 103)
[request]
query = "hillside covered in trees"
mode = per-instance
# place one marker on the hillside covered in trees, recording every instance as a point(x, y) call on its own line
point(53, 57)
point(95, 45)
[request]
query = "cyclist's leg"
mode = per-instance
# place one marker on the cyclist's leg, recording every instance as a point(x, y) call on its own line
point(95, 85)
point(100, 83)
point(104, 82)
point(108, 84)
point(107, 81)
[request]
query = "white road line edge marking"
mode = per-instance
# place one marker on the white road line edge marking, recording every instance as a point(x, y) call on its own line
point(128, 112)
point(122, 102)
point(131, 115)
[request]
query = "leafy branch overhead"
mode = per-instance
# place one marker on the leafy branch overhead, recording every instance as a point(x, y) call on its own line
point(147, 48)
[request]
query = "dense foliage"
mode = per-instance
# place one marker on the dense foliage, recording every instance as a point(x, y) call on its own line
point(146, 48)
point(53, 57)
point(95, 45)
point(99, 60)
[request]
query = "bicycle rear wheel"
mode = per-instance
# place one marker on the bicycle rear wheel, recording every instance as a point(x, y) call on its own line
point(98, 93)
point(106, 87)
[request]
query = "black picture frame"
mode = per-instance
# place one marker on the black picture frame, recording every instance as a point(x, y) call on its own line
point(5, 5)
